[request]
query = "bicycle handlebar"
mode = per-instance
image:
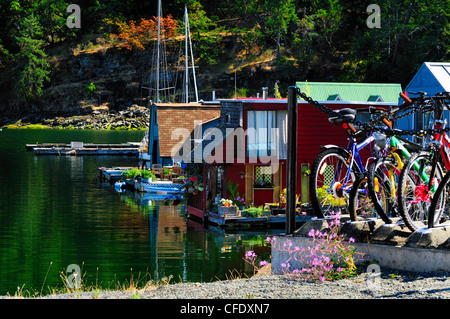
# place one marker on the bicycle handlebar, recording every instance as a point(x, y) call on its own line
point(352, 128)
point(406, 98)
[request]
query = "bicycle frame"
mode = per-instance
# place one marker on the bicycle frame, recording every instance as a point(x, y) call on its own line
point(444, 141)
point(398, 144)
point(441, 153)
point(353, 149)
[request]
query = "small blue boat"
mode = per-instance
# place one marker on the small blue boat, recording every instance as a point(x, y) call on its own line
point(163, 188)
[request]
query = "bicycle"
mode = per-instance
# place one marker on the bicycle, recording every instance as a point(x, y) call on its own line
point(335, 169)
point(374, 193)
point(423, 173)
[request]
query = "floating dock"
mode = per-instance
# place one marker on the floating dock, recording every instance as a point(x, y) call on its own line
point(244, 222)
point(111, 174)
point(80, 148)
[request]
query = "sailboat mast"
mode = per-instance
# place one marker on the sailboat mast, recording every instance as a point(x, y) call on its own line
point(158, 50)
point(188, 42)
point(193, 66)
point(186, 59)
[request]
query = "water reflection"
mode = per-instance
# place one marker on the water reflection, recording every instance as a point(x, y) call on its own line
point(187, 251)
point(55, 212)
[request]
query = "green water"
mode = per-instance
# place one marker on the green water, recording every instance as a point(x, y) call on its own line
point(55, 212)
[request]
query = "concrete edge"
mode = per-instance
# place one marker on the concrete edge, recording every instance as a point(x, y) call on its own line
point(394, 257)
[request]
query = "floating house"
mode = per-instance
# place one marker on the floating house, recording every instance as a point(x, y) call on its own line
point(248, 145)
point(169, 122)
point(432, 78)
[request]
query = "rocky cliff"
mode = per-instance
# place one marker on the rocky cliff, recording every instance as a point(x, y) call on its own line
point(118, 76)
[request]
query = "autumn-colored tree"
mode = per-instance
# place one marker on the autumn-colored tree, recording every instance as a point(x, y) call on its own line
point(134, 35)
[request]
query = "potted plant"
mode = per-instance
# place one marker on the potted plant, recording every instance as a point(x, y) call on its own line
point(227, 208)
point(239, 202)
point(166, 173)
point(281, 208)
point(147, 176)
point(234, 195)
point(193, 185)
point(131, 174)
point(255, 211)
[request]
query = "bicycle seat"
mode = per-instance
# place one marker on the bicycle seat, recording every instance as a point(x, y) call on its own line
point(409, 145)
point(421, 93)
point(347, 113)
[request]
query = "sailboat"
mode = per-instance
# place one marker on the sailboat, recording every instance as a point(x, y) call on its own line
point(160, 89)
point(161, 82)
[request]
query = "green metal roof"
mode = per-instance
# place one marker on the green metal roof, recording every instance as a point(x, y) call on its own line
point(359, 92)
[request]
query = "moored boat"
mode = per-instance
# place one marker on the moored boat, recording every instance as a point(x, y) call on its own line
point(163, 188)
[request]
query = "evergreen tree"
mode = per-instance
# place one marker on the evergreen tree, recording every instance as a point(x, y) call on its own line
point(279, 15)
point(32, 69)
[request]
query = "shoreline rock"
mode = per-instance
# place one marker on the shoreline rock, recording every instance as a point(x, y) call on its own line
point(131, 118)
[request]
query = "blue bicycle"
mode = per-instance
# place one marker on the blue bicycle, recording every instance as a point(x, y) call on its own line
point(335, 169)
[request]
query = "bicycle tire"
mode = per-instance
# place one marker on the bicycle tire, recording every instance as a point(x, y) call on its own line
point(318, 181)
point(414, 198)
point(379, 185)
point(361, 206)
point(439, 204)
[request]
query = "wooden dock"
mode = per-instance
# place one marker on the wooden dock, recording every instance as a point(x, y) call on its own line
point(242, 222)
point(80, 149)
point(112, 174)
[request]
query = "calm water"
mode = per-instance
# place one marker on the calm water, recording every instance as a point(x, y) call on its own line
point(55, 212)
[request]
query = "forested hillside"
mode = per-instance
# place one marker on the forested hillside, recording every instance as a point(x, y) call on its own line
point(239, 45)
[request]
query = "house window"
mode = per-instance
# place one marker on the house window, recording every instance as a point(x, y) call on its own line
point(334, 97)
point(263, 176)
point(267, 134)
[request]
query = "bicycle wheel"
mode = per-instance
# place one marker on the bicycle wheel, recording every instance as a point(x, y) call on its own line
point(361, 206)
point(417, 188)
point(383, 177)
point(440, 205)
point(328, 187)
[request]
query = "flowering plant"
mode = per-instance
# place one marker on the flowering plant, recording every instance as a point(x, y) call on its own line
point(328, 257)
point(226, 202)
point(252, 258)
point(193, 185)
point(239, 201)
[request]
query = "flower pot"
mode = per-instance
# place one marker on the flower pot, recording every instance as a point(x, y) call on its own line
point(277, 211)
point(227, 210)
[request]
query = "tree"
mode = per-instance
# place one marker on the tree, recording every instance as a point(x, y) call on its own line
point(327, 22)
point(412, 32)
point(206, 34)
point(31, 65)
point(134, 35)
point(52, 17)
point(279, 14)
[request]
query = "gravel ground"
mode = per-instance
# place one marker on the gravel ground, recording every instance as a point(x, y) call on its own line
point(391, 284)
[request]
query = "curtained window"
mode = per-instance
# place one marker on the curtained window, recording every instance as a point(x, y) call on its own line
point(267, 134)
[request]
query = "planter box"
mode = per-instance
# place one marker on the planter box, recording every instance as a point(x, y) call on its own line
point(228, 210)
